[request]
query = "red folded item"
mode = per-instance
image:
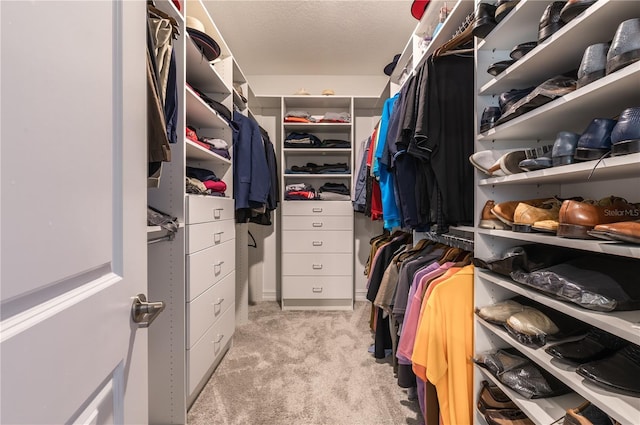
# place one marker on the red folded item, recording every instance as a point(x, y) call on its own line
point(295, 119)
point(214, 186)
point(191, 135)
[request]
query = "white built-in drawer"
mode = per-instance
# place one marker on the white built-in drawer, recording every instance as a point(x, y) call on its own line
point(204, 235)
point(202, 208)
point(317, 223)
point(330, 241)
point(317, 208)
point(323, 287)
point(203, 311)
point(208, 348)
point(206, 267)
point(317, 265)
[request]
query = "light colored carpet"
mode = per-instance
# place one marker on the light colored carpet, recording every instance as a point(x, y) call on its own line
point(303, 368)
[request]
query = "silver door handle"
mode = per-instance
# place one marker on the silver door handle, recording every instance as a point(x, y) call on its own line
point(143, 312)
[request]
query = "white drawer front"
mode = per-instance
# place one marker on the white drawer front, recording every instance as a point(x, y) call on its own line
point(317, 265)
point(324, 287)
point(206, 267)
point(209, 348)
point(202, 208)
point(317, 223)
point(209, 306)
point(322, 208)
point(330, 241)
point(204, 235)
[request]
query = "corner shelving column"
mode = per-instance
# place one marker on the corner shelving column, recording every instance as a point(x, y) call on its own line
point(606, 97)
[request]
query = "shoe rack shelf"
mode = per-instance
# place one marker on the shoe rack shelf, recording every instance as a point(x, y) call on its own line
point(599, 246)
point(605, 97)
point(625, 324)
point(596, 25)
point(540, 411)
point(614, 404)
point(608, 169)
point(200, 73)
point(200, 114)
point(613, 176)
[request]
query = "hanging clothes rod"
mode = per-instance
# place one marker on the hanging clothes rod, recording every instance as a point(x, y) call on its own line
point(168, 237)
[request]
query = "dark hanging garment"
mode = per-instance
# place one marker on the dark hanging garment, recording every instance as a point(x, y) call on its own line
point(445, 135)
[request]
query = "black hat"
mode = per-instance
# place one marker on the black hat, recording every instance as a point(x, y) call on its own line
point(390, 67)
point(207, 45)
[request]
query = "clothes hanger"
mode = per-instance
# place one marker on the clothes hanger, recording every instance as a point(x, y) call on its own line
point(450, 255)
point(457, 40)
point(162, 15)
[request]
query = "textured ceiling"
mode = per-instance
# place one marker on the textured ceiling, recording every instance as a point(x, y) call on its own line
point(289, 37)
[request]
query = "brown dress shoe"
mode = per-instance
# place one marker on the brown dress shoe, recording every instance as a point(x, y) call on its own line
point(624, 231)
point(507, 417)
point(488, 220)
point(587, 414)
point(526, 215)
point(549, 226)
point(505, 210)
point(575, 218)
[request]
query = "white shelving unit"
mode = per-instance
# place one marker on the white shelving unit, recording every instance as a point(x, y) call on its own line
point(618, 176)
point(195, 273)
point(317, 265)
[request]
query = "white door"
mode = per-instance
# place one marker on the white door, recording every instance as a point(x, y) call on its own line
point(73, 212)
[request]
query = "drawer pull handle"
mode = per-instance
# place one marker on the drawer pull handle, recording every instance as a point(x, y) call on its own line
point(217, 237)
point(316, 243)
point(217, 212)
point(220, 338)
point(317, 266)
point(317, 290)
point(220, 301)
point(317, 224)
point(317, 210)
point(219, 263)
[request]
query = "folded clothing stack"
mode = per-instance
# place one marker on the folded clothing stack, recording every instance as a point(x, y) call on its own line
point(217, 146)
point(299, 116)
point(301, 140)
point(336, 117)
point(299, 192)
point(334, 192)
point(311, 168)
point(201, 181)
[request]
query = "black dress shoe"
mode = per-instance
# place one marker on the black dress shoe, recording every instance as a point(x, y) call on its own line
point(490, 115)
point(507, 99)
point(625, 136)
point(596, 140)
point(485, 20)
point(550, 22)
point(499, 67)
point(596, 345)
point(573, 8)
point(503, 7)
point(619, 371)
point(522, 49)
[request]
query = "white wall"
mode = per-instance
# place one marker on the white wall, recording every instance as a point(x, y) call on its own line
point(342, 85)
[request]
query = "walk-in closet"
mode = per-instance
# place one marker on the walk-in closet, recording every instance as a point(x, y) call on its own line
point(384, 212)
